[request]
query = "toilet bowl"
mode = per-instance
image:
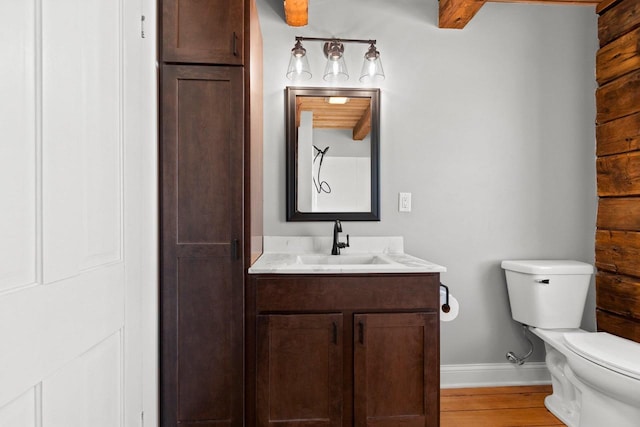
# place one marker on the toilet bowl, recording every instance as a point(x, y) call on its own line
point(595, 375)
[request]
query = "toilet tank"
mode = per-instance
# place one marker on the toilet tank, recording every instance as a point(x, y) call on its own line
point(548, 294)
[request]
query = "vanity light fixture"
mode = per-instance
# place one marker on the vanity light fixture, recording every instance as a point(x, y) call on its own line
point(336, 68)
point(298, 64)
point(372, 66)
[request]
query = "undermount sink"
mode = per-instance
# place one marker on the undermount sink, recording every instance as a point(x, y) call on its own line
point(341, 260)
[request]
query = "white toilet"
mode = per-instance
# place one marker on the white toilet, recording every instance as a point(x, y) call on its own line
point(595, 375)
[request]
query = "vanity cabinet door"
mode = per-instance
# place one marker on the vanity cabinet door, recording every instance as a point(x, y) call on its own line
point(203, 31)
point(396, 372)
point(300, 370)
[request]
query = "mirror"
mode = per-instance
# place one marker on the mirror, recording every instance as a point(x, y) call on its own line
point(333, 141)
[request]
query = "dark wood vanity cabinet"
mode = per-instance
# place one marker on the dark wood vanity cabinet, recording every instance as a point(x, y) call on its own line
point(343, 350)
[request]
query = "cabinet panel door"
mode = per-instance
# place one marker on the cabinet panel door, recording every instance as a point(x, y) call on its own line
point(203, 31)
point(202, 275)
point(300, 370)
point(396, 372)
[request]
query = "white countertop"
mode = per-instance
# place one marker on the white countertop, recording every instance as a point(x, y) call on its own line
point(297, 255)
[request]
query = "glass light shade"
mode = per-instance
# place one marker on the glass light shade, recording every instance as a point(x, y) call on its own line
point(372, 70)
point(298, 64)
point(336, 70)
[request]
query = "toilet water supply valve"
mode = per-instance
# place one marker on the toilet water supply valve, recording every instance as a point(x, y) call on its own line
point(519, 360)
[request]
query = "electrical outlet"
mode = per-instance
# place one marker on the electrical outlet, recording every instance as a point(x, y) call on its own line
point(404, 202)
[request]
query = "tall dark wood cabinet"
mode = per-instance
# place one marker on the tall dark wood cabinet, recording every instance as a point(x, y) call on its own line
point(211, 215)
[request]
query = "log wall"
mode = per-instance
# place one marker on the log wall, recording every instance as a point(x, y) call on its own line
point(618, 169)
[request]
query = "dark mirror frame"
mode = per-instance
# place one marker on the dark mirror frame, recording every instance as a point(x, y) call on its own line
point(293, 214)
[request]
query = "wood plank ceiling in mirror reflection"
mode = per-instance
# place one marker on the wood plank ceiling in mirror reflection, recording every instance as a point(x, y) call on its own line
point(354, 114)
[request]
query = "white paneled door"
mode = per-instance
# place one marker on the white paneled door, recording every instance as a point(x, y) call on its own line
point(77, 213)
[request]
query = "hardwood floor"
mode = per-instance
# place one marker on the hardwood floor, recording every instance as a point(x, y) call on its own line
point(496, 407)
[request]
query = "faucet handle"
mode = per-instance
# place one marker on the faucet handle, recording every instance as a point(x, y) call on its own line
point(343, 245)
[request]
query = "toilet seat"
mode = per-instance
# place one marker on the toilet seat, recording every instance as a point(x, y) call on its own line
point(609, 351)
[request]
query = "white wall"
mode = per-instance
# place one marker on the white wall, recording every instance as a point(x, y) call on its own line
point(490, 128)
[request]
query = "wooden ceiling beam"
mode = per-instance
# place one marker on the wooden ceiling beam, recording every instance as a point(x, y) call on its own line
point(604, 4)
point(296, 12)
point(557, 2)
point(457, 13)
point(363, 127)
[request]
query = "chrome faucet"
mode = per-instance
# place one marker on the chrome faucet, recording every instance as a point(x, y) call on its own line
point(337, 245)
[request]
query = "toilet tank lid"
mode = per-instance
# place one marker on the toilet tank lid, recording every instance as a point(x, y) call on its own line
point(612, 352)
point(549, 266)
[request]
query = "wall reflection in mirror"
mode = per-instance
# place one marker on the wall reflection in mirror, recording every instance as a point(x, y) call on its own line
point(332, 154)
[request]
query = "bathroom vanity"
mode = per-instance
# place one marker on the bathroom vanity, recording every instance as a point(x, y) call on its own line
point(345, 340)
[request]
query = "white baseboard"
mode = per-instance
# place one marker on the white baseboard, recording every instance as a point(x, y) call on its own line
point(493, 375)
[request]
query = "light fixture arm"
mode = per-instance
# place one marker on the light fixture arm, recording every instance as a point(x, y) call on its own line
point(335, 39)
